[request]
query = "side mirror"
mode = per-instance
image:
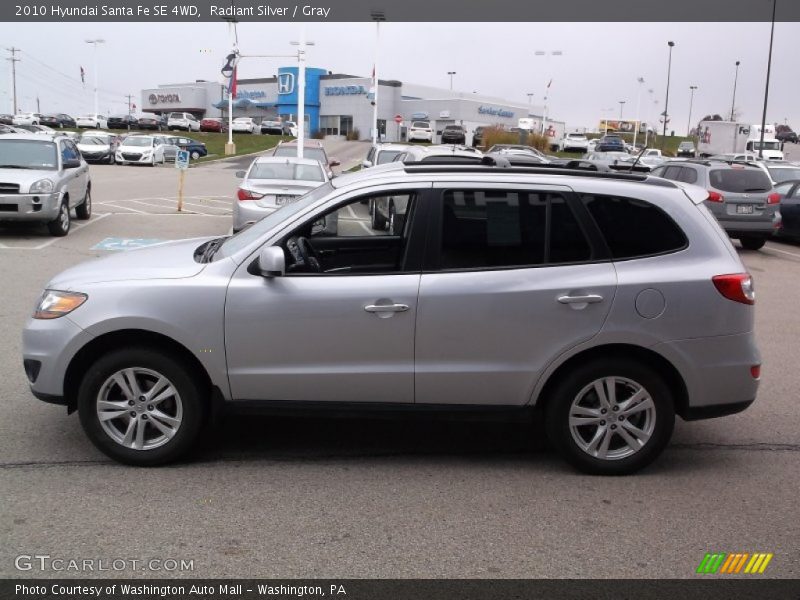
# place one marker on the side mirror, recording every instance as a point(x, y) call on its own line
point(272, 262)
point(366, 164)
point(240, 174)
point(334, 162)
point(72, 163)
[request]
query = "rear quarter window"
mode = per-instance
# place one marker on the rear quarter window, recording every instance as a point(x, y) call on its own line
point(740, 180)
point(634, 228)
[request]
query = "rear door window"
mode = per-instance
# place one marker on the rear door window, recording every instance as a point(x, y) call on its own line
point(740, 181)
point(634, 228)
point(688, 175)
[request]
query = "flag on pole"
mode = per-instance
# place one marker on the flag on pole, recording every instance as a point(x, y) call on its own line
point(371, 93)
point(232, 84)
point(549, 83)
point(133, 106)
point(83, 76)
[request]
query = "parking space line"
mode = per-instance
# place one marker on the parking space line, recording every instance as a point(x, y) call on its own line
point(773, 249)
point(75, 227)
point(133, 210)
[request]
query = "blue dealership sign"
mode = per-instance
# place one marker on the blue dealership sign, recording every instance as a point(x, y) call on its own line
point(495, 112)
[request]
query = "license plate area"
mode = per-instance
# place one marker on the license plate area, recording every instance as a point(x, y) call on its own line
point(280, 200)
point(744, 209)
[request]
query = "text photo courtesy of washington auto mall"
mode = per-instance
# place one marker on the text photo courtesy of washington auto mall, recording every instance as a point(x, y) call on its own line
point(399, 300)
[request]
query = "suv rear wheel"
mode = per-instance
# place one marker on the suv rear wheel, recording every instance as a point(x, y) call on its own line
point(752, 243)
point(141, 406)
point(610, 416)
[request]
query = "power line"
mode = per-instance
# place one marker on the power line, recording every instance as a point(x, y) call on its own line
point(70, 78)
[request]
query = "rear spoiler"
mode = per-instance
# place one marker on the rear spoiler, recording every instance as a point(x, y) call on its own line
point(695, 193)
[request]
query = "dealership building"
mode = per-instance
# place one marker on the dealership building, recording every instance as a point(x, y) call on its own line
point(341, 105)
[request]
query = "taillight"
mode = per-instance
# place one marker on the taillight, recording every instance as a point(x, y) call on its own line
point(774, 198)
point(737, 287)
point(243, 194)
point(715, 196)
point(755, 371)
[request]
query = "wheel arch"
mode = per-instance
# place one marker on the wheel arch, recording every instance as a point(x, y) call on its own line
point(657, 362)
point(126, 338)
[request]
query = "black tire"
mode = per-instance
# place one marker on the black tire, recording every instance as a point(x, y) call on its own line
point(192, 396)
point(752, 243)
point(84, 210)
point(559, 406)
point(59, 227)
point(111, 159)
point(395, 224)
point(377, 220)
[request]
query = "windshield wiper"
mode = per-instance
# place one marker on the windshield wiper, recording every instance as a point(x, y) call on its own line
point(211, 248)
point(14, 167)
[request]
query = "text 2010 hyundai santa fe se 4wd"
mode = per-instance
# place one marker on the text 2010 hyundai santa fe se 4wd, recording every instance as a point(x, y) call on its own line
point(608, 302)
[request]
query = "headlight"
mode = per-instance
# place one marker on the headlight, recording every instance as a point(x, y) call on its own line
point(54, 304)
point(43, 186)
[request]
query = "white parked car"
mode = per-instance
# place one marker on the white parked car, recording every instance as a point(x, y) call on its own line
point(420, 131)
point(141, 150)
point(290, 128)
point(244, 125)
point(92, 121)
point(183, 121)
point(573, 142)
point(26, 119)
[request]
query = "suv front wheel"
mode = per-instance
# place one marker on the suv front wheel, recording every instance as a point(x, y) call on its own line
point(610, 416)
point(141, 406)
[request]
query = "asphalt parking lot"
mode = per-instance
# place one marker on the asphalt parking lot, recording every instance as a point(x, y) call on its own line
point(271, 497)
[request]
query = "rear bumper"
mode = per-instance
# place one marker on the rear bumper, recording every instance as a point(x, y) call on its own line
point(248, 212)
point(696, 413)
point(29, 207)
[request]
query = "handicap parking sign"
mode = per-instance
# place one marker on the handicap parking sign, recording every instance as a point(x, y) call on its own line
point(182, 159)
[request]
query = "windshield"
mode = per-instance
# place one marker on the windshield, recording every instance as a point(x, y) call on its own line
point(175, 116)
point(784, 174)
point(97, 140)
point(138, 141)
point(420, 124)
point(247, 236)
point(287, 170)
point(27, 154)
point(387, 156)
point(767, 145)
point(315, 153)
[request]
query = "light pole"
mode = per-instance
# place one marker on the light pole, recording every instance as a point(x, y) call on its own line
point(766, 85)
point(638, 99)
point(666, 100)
point(530, 101)
point(301, 91)
point(647, 117)
point(621, 104)
point(550, 81)
point(451, 73)
point(691, 101)
point(95, 42)
point(735, 79)
point(377, 16)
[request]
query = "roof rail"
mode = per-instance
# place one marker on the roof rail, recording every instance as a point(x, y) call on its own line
point(450, 167)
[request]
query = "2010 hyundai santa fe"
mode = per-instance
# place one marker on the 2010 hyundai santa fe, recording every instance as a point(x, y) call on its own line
point(608, 302)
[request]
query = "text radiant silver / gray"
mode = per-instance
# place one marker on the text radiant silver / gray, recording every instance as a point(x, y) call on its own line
point(607, 304)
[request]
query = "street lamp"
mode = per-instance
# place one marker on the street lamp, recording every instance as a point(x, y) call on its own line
point(301, 91)
point(735, 79)
point(666, 100)
point(377, 16)
point(766, 85)
point(547, 88)
point(95, 42)
point(621, 104)
point(691, 101)
point(451, 73)
point(530, 100)
point(638, 98)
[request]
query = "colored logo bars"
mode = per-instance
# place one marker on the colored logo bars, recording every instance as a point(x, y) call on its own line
point(721, 562)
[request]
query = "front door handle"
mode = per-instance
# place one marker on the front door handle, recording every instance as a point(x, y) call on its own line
point(386, 308)
point(587, 299)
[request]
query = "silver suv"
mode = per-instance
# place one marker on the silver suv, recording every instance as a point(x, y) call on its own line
point(607, 303)
point(42, 178)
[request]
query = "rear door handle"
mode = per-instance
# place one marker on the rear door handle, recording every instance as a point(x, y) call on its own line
point(587, 299)
point(390, 308)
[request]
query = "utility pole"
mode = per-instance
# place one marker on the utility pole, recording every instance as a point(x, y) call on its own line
point(691, 101)
point(14, 60)
point(129, 97)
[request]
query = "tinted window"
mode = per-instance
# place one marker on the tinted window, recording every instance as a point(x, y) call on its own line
point(634, 227)
point(671, 173)
point(688, 175)
point(501, 228)
point(740, 180)
point(784, 174)
point(451, 158)
point(387, 156)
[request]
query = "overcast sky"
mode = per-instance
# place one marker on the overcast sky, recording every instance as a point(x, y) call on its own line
point(599, 66)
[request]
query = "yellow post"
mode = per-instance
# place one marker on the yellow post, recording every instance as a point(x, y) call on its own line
point(182, 173)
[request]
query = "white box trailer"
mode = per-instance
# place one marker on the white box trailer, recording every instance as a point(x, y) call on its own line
point(728, 137)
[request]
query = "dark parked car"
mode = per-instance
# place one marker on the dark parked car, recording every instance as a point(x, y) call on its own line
point(687, 149)
point(123, 122)
point(215, 124)
point(6, 119)
point(477, 137)
point(786, 136)
point(454, 134)
point(610, 143)
point(153, 122)
point(57, 120)
point(789, 192)
point(272, 127)
point(196, 149)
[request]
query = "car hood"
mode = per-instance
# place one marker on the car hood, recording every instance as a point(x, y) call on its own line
point(168, 260)
point(25, 177)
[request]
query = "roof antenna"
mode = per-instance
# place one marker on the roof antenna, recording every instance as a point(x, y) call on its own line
point(636, 162)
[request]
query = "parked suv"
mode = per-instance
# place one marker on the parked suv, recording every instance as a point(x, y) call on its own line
point(420, 131)
point(454, 134)
point(608, 303)
point(183, 121)
point(42, 179)
point(740, 196)
point(687, 149)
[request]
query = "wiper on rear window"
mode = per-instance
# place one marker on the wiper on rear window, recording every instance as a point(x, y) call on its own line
point(756, 190)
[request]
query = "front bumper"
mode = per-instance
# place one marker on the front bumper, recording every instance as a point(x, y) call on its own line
point(48, 346)
point(29, 207)
point(133, 160)
point(96, 156)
